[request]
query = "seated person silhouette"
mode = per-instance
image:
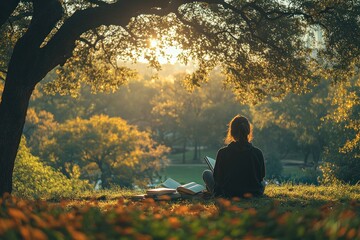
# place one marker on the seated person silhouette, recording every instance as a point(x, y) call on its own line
point(239, 169)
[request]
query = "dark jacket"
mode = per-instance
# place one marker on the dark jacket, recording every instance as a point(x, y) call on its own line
point(239, 169)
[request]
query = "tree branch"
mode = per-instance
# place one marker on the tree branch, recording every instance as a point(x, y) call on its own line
point(26, 51)
point(97, 2)
point(7, 7)
point(60, 47)
point(20, 16)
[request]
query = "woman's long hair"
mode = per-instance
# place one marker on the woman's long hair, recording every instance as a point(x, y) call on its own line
point(239, 130)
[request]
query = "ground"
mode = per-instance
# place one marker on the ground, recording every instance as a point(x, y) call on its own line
point(285, 212)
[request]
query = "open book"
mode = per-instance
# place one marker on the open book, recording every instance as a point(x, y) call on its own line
point(191, 188)
point(210, 162)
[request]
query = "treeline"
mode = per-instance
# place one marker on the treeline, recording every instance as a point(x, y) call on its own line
point(89, 137)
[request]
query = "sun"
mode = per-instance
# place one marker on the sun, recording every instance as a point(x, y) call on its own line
point(153, 43)
point(165, 54)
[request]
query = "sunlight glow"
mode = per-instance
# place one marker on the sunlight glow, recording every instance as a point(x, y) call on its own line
point(153, 43)
point(164, 54)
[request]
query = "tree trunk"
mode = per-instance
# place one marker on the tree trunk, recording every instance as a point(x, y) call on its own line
point(13, 108)
point(199, 154)
point(195, 157)
point(184, 152)
point(29, 64)
point(307, 153)
point(105, 173)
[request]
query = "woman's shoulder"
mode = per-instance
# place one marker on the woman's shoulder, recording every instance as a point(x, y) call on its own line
point(223, 149)
point(257, 150)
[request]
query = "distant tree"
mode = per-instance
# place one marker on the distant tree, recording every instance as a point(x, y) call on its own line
point(259, 45)
point(274, 139)
point(298, 120)
point(178, 114)
point(124, 103)
point(194, 117)
point(38, 128)
point(105, 148)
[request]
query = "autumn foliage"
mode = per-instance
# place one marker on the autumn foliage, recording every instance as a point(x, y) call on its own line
point(219, 219)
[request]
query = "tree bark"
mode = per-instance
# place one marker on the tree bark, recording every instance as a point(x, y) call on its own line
point(13, 108)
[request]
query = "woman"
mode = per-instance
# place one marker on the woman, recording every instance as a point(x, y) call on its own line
point(239, 168)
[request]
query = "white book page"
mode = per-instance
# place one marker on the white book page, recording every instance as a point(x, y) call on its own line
point(171, 183)
point(197, 188)
point(188, 185)
point(210, 162)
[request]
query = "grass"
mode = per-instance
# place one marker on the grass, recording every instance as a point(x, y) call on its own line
point(285, 212)
point(288, 197)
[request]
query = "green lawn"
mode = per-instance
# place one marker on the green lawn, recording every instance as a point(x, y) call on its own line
point(193, 172)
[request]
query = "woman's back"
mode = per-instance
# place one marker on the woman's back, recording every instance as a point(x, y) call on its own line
point(239, 169)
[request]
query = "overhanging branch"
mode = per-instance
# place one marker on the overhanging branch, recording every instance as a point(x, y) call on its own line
point(7, 7)
point(60, 47)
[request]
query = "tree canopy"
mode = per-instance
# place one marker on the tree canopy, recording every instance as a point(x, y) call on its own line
point(264, 47)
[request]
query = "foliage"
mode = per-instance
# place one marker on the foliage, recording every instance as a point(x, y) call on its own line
point(37, 129)
point(323, 119)
point(294, 123)
point(311, 213)
point(274, 167)
point(194, 117)
point(259, 45)
point(34, 179)
point(306, 176)
point(105, 148)
point(323, 122)
point(342, 154)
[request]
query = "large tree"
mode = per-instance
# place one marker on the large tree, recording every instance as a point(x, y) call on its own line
point(259, 44)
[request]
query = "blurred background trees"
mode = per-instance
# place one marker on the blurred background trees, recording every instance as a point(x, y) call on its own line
point(306, 138)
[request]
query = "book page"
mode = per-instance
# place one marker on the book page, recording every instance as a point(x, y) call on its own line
point(170, 183)
point(210, 162)
point(188, 185)
point(191, 188)
point(160, 191)
point(197, 188)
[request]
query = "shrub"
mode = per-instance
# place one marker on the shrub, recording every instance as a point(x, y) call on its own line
point(340, 166)
point(307, 176)
point(33, 179)
point(274, 167)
